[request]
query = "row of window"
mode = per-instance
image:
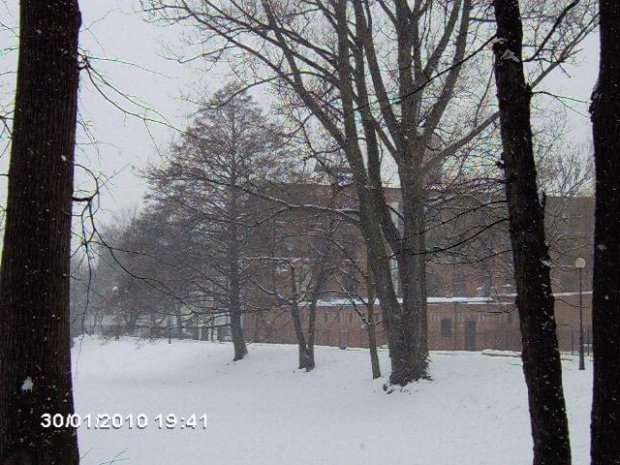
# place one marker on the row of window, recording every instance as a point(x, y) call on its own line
point(337, 317)
point(481, 317)
point(349, 317)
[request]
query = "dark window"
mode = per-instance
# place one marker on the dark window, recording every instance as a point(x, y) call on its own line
point(446, 327)
point(434, 286)
point(325, 317)
point(485, 289)
point(349, 282)
point(351, 246)
point(459, 289)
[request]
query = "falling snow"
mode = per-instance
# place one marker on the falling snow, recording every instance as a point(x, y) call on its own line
point(509, 55)
point(27, 385)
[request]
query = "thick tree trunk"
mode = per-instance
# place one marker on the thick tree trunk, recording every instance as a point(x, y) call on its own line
point(541, 358)
point(372, 211)
point(403, 370)
point(35, 365)
point(606, 296)
point(412, 269)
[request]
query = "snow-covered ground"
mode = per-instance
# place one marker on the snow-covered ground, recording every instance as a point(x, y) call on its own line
point(261, 411)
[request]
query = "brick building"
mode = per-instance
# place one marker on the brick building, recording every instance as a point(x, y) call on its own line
point(470, 287)
point(456, 323)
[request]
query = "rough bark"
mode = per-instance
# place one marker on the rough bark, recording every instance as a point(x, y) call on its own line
point(412, 266)
point(35, 366)
point(535, 303)
point(605, 111)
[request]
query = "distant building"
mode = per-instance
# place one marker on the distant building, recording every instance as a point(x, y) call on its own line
point(470, 286)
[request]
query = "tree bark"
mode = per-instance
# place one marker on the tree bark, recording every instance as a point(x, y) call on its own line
point(605, 109)
point(535, 302)
point(304, 357)
point(372, 325)
point(406, 323)
point(179, 318)
point(35, 365)
point(234, 278)
point(372, 210)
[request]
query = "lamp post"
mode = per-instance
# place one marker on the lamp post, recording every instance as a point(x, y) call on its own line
point(580, 263)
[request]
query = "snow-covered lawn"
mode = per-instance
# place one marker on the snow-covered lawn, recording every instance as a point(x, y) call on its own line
point(261, 411)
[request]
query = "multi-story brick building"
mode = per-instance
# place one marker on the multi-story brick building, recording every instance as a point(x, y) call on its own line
point(470, 286)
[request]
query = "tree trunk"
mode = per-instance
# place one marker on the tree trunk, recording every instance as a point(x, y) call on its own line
point(372, 332)
point(541, 358)
point(372, 339)
point(372, 211)
point(234, 277)
point(402, 360)
point(236, 330)
point(311, 333)
point(179, 319)
point(605, 111)
point(35, 363)
point(412, 268)
point(304, 358)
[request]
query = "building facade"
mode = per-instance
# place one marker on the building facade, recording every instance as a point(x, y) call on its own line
point(471, 303)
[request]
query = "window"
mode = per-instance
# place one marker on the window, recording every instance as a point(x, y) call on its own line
point(435, 286)
point(459, 288)
point(350, 317)
point(446, 327)
point(325, 317)
point(337, 317)
point(349, 282)
point(485, 289)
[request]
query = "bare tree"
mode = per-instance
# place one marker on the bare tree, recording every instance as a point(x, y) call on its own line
point(229, 149)
point(361, 296)
point(150, 272)
point(298, 248)
point(605, 111)
point(379, 78)
point(35, 366)
point(535, 301)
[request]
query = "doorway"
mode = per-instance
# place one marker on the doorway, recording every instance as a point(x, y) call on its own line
point(470, 335)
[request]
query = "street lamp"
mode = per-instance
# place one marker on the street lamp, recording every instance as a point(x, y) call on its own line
point(580, 263)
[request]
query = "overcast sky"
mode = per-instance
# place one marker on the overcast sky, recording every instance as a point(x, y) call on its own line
point(113, 30)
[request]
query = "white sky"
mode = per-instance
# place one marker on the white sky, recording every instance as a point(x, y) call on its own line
point(113, 30)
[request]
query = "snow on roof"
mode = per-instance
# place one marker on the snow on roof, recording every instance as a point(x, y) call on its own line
point(345, 302)
point(499, 300)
